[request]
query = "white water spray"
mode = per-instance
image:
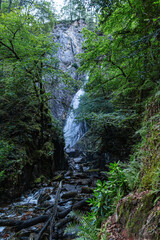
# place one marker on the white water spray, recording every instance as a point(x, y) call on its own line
point(73, 131)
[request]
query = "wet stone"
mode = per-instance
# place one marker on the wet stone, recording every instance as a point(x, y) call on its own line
point(69, 187)
point(79, 175)
point(78, 160)
point(69, 194)
point(72, 153)
point(76, 188)
point(68, 174)
point(86, 190)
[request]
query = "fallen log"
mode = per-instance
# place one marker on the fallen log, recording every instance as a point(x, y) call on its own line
point(54, 211)
point(70, 199)
point(63, 222)
point(51, 219)
point(64, 213)
point(44, 228)
point(30, 222)
point(69, 195)
point(80, 204)
point(19, 224)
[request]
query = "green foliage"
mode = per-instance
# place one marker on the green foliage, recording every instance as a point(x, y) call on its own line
point(149, 150)
point(26, 61)
point(117, 179)
point(101, 203)
point(107, 194)
point(73, 10)
point(40, 179)
point(88, 228)
point(45, 13)
point(12, 159)
point(5, 152)
point(132, 172)
point(83, 226)
point(122, 60)
point(42, 10)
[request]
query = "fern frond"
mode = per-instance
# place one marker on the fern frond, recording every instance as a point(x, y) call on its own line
point(76, 222)
point(76, 215)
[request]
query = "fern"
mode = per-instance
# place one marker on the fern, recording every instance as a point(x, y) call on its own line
point(83, 226)
point(88, 229)
point(73, 227)
point(132, 172)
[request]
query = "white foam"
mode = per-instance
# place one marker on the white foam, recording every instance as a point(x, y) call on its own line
point(1, 229)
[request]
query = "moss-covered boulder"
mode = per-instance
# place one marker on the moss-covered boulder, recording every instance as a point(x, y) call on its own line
point(133, 211)
point(136, 218)
point(149, 150)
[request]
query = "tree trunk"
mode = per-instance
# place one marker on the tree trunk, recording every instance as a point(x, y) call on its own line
point(42, 112)
point(20, 3)
point(10, 4)
point(42, 91)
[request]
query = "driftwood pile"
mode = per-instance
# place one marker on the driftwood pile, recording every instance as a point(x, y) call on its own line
point(55, 220)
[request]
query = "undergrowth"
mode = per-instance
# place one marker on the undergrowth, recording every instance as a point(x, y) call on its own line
point(121, 180)
point(141, 172)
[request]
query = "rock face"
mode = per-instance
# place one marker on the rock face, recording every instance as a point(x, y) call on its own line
point(136, 218)
point(69, 38)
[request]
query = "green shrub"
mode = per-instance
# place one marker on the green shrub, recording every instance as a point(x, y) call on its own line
point(5, 154)
point(83, 225)
point(132, 172)
point(106, 196)
point(11, 158)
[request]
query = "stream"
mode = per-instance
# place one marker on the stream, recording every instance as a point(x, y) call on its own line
point(78, 183)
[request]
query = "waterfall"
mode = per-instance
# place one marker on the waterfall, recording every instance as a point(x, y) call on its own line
point(73, 131)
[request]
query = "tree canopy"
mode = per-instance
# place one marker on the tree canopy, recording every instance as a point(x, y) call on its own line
point(27, 56)
point(122, 59)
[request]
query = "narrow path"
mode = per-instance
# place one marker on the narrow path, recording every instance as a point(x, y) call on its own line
point(78, 183)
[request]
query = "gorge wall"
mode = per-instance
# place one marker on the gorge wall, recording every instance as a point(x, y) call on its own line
point(69, 38)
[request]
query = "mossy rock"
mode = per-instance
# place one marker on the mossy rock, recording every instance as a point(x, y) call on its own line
point(149, 152)
point(138, 217)
point(133, 213)
point(40, 179)
point(58, 177)
point(124, 210)
point(151, 229)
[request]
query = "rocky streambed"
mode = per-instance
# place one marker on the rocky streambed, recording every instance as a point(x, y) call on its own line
point(44, 212)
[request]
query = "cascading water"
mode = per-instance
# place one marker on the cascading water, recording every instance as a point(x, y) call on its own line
point(73, 131)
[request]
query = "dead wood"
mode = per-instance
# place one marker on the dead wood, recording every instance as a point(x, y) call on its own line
point(80, 205)
point(51, 219)
point(18, 224)
point(54, 211)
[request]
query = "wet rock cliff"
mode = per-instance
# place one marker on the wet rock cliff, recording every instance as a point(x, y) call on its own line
point(69, 38)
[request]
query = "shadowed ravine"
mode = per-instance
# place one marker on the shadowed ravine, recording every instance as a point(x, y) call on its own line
point(50, 204)
point(52, 200)
point(33, 209)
